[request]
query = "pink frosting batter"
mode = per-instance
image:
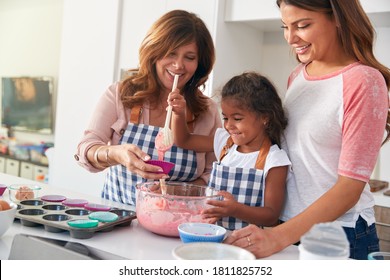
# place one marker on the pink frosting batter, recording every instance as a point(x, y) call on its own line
point(161, 148)
point(162, 216)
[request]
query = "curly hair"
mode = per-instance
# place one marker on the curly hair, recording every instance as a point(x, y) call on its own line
point(255, 93)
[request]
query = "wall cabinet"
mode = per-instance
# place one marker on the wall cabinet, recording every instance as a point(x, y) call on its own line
point(265, 14)
point(24, 169)
point(382, 216)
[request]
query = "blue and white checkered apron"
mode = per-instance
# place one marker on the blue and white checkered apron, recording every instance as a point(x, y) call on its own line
point(246, 184)
point(120, 184)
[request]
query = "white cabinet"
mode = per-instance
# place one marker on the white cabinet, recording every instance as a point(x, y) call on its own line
point(382, 216)
point(2, 164)
point(262, 14)
point(26, 170)
point(12, 166)
point(33, 172)
point(40, 172)
point(265, 15)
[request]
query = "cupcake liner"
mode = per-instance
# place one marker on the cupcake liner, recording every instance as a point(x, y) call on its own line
point(75, 202)
point(97, 207)
point(165, 165)
point(53, 198)
point(2, 189)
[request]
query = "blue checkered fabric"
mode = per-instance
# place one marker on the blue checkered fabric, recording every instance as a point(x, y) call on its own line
point(120, 183)
point(246, 184)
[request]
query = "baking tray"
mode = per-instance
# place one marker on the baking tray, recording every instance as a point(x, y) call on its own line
point(54, 217)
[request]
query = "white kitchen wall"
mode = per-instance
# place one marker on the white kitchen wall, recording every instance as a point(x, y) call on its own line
point(30, 40)
point(383, 54)
point(88, 63)
point(278, 60)
point(135, 24)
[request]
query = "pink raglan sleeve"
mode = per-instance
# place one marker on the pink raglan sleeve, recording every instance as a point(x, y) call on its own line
point(294, 73)
point(366, 104)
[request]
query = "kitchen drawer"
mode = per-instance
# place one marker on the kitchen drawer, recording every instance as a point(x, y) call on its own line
point(40, 172)
point(12, 167)
point(384, 246)
point(27, 170)
point(382, 214)
point(383, 231)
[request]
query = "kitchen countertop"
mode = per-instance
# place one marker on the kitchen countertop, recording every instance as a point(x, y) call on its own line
point(128, 242)
point(381, 199)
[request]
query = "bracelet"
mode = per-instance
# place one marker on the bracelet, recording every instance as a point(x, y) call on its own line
point(108, 157)
point(96, 158)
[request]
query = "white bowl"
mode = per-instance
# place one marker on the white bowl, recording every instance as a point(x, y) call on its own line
point(201, 232)
point(7, 218)
point(211, 251)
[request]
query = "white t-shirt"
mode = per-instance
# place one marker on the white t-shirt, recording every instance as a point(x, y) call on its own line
point(276, 156)
point(336, 126)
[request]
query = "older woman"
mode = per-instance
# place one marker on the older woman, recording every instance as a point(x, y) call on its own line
point(121, 135)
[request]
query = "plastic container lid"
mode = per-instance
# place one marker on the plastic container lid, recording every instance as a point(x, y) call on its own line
point(96, 207)
point(53, 198)
point(165, 165)
point(75, 202)
point(83, 223)
point(326, 239)
point(103, 216)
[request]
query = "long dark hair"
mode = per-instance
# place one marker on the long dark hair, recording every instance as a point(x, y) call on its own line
point(174, 29)
point(255, 93)
point(355, 30)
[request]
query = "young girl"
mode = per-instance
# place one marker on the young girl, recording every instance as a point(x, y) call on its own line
point(251, 171)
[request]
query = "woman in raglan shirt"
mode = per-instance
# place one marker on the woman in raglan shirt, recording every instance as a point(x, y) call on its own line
point(337, 104)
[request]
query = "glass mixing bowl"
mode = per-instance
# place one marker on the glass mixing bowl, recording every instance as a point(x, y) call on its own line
point(182, 203)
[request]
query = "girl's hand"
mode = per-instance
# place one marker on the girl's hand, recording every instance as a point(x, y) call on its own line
point(211, 220)
point(135, 161)
point(224, 208)
point(178, 103)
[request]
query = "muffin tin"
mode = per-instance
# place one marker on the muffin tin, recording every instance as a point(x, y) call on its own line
point(81, 220)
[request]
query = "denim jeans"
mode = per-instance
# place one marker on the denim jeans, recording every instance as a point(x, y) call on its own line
point(362, 239)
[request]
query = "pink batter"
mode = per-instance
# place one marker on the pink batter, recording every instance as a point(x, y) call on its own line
point(161, 148)
point(162, 216)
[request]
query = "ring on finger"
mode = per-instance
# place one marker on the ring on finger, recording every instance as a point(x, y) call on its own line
point(249, 240)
